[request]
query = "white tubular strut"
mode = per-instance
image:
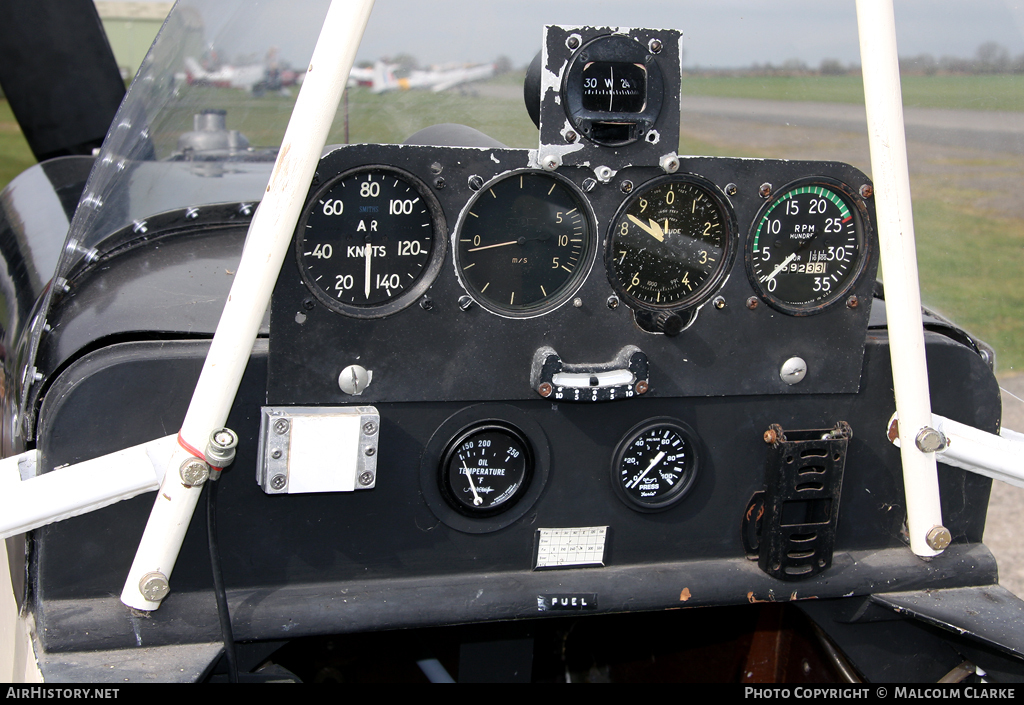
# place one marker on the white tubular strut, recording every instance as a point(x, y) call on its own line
point(899, 263)
point(269, 235)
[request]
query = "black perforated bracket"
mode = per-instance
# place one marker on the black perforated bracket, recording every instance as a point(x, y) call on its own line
point(790, 526)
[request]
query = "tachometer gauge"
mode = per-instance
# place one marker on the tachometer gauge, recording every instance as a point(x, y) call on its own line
point(486, 469)
point(371, 241)
point(524, 245)
point(671, 243)
point(655, 465)
point(808, 246)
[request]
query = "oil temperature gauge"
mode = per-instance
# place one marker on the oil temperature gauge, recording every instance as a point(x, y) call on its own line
point(655, 464)
point(486, 469)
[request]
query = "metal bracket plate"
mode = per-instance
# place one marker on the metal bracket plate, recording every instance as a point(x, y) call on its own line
point(790, 527)
point(317, 449)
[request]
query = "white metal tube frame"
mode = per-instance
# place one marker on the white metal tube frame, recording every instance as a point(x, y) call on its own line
point(882, 97)
point(267, 243)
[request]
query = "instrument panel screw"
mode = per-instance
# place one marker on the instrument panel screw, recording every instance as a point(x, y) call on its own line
point(281, 426)
point(544, 389)
point(655, 46)
point(366, 478)
point(369, 428)
point(275, 454)
point(626, 186)
point(476, 182)
point(770, 437)
point(669, 163)
point(577, 302)
point(765, 190)
point(853, 302)
point(465, 302)
point(370, 451)
point(719, 302)
point(426, 303)
point(354, 379)
point(570, 136)
point(277, 482)
point(613, 302)
point(752, 303)
point(573, 42)
point(642, 387)
point(439, 183)
point(154, 586)
point(589, 184)
point(938, 538)
point(308, 304)
point(867, 191)
point(793, 370)
point(550, 162)
point(731, 189)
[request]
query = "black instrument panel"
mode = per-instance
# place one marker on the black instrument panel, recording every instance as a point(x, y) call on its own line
point(464, 337)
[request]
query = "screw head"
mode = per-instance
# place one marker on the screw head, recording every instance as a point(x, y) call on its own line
point(276, 454)
point(852, 302)
point(370, 452)
point(194, 472)
point(929, 440)
point(655, 46)
point(577, 302)
point(626, 186)
point(426, 303)
point(793, 370)
point(669, 163)
point(938, 538)
point(465, 302)
point(366, 478)
point(765, 190)
point(369, 428)
point(731, 189)
point(476, 182)
point(281, 426)
point(752, 303)
point(589, 184)
point(544, 389)
point(154, 586)
point(770, 436)
point(439, 183)
point(277, 482)
point(570, 136)
point(719, 302)
point(573, 42)
point(866, 191)
point(354, 380)
point(613, 302)
point(550, 162)
point(642, 387)
point(604, 173)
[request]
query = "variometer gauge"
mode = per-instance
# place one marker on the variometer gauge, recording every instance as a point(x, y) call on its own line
point(486, 469)
point(671, 244)
point(655, 464)
point(808, 246)
point(371, 241)
point(525, 244)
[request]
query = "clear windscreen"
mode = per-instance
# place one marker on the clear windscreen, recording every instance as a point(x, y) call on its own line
point(777, 80)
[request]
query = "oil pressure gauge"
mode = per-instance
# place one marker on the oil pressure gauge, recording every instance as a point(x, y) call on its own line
point(655, 464)
point(808, 246)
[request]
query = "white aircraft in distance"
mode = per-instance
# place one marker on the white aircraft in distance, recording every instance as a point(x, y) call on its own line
point(381, 78)
point(250, 77)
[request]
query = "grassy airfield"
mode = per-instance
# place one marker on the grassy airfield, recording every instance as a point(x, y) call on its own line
point(969, 221)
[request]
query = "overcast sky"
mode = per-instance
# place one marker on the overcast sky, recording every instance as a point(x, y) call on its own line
point(718, 33)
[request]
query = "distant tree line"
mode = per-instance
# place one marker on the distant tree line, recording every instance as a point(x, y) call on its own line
point(990, 58)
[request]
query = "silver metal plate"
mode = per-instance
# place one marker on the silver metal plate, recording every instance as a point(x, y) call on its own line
point(317, 449)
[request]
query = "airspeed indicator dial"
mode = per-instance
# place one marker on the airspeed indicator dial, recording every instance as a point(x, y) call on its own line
point(370, 242)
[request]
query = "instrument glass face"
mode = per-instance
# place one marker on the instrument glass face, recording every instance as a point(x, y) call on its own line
point(525, 244)
point(655, 465)
point(671, 243)
point(486, 469)
point(368, 242)
point(807, 248)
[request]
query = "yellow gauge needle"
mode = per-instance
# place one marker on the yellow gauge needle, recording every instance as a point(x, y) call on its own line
point(487, 247)
point(654, 230)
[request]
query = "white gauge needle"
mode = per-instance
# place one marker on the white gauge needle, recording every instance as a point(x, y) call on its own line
point(488, 247)
point(654, 230)
point(369, 255)
point(778, 269)
point(657, 459)
point(476, 497)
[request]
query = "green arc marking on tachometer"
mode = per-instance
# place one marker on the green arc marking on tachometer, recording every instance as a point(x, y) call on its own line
point(817, 191)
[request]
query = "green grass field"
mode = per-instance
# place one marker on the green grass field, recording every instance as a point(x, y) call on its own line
point(970, 261)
